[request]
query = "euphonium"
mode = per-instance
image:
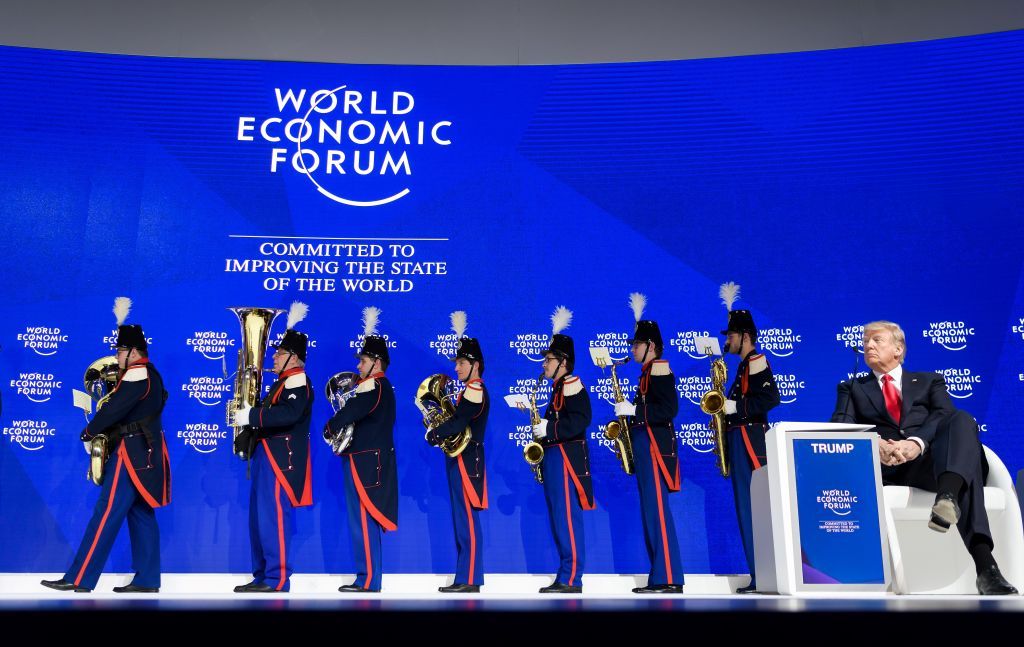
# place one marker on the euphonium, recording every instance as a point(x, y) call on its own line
point(340, 389)
point(713, 404)
point(617, 430)
point(100, 379)
point(435, 398)
point(256, 324)
point(533, 453)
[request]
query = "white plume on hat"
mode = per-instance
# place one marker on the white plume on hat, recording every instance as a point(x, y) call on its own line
point(371, 316)
point(296, 313)
point(729, 292)
point(560, 319)
point(122, 306)
point(637, 302)
point(459, 323)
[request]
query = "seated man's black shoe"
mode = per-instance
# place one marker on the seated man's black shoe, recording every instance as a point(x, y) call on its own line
point(558, 587)
point(945, 512)
point(64, 585)
point(460, 588)
point(750, 588)
point(132, 588)
point(659, 588)
point(353, 588)
point(991, 582)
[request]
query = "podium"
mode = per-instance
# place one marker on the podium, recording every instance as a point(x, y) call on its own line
point(818, 511)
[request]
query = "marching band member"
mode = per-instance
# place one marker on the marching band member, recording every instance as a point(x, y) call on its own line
point(562, 432)
point(137, 475)
point(467, 477)
point(277, 443)
point(655, 451)
point(369, 466)
point(753, 393)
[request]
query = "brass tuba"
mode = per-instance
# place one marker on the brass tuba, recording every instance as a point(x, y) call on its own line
point(617, 430)
point(340, 389)
point(100, 380)
point(256, 324)
point(533, 453)
point(713, 404)
point(435, 398)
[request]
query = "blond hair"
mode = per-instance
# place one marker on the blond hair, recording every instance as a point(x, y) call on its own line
point(898, 337)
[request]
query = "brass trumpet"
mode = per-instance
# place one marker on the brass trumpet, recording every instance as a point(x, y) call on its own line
point(533, 453)
point(713, 404)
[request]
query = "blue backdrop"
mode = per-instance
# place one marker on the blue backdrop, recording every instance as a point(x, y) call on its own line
point(836, 187)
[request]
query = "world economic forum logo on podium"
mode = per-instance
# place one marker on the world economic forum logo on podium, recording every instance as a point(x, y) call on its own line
point(356, 147)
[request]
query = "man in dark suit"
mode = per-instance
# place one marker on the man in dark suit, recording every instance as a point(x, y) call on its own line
point(925, 443)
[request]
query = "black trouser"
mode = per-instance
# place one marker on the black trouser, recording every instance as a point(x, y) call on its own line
point(955, 448)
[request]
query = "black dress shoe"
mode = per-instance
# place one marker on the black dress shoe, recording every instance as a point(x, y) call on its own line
point(659, 588)
point(558, 587)
point(991, 582)
point(257, 587)
point(132, 588)
point(355, 588)
point(750, 588)
point(945, 512)
point(460, 588)
point(64, 585)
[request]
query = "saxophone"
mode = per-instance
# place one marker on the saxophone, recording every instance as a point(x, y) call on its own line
point(713, 404)
point(533, 453)
point(256, 324)
point(617, 430)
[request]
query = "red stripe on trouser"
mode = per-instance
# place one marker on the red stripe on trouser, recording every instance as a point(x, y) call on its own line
point(568, 521)
point(366, 547)
point(750, 448)
point(472, 534)
point(103, 521)
point(280, 533)
point(661, 516)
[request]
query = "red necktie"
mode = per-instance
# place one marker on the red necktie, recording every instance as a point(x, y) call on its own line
point(893, 401)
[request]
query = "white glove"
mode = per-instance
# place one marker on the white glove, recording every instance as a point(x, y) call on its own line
point(540, 430)
point(730, 408)
point(241, 417)
point(625, 409)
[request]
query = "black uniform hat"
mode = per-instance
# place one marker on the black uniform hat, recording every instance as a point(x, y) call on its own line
point(646, 329)
point(740, 321)
point(374, 345)
point(294, 341)
point(468, 347)
point(128, 335)
point(562, 345)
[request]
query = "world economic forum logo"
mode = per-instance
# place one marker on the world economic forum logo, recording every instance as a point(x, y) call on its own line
point(789, 386)
point(530, 345)
point(693, 387)
point(838, 501)
point(355, 146)
point(960, 382)
point(29, 434)
point(951, 335)
point(37, 387)
point(852, 336)
point(206, 390)
point(780, 342)
point(697, 436)
point(211, 344)
point(43, 340)
point(203, 437)
point(686, 342)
